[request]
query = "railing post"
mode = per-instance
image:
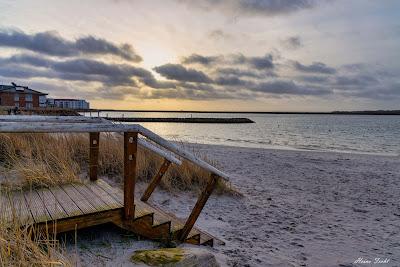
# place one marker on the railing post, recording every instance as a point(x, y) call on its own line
point(94, 139)
point(198, 207)
point(130, 172)
point(156, 180)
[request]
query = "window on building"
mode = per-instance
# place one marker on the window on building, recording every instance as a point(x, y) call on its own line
point(42, 99)
point(16, 104)
point(28, 105)
point(16, 97)
point(28, 97)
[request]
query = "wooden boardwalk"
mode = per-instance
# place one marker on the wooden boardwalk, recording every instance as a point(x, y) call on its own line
point(74, 206)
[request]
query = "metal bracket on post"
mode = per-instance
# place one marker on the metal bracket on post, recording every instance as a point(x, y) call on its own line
point(130, 173)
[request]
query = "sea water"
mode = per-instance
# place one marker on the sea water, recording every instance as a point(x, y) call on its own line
point(345, 133)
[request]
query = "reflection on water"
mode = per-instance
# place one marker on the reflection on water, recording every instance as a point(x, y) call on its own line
point(352, 133)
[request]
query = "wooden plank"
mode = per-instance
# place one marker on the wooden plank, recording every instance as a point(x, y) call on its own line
point(156, 180)
point(5, 208)
point(117, 194)
point(86, 220)
point(36, 206)
point(78, 199)
point(198, 207)
point(94, 139)
point(22, 211)
point(130, 157)
point(114, 192)
point(91, 197)
point(110, 201)
point(54, 208)
point(65, 201)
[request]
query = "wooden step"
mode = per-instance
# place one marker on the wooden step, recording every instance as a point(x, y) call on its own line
point(74, 206)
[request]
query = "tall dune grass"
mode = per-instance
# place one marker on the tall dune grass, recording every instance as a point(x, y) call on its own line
point(37, 160)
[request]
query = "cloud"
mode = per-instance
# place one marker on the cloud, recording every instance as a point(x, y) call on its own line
point(76, 70)
point(260, 63)
point(289, 87)
point(231, 81)
point(315, 67)
point(203, 60)
point(355, 80)
point(219, 35)
point(253, 7)
point(293, 42)
point(241, 72)
point(264, 62)
point(50, 43)
point(179, 73)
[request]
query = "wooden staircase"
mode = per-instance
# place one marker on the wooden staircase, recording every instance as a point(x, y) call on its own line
point(74, 206)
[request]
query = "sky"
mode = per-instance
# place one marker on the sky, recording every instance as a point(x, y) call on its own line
point(235, 55)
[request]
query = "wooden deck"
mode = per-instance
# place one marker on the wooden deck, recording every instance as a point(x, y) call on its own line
point(74, 206)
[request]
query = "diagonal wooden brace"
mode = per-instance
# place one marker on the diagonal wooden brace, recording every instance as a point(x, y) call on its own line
point(156, 180)
point(198, 207)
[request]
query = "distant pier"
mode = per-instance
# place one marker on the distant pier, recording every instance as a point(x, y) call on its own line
point(182, 120)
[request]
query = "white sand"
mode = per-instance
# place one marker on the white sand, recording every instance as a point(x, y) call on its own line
point(299, 209)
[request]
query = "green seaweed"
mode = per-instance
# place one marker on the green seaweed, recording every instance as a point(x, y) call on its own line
point(158, 257)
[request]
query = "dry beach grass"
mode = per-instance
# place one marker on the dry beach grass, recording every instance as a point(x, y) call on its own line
point(35, 160)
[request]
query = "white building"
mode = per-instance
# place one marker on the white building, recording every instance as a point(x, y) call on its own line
point(67, 103)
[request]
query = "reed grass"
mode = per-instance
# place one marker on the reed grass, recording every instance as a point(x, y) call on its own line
point(40, 160)
point(25, 246)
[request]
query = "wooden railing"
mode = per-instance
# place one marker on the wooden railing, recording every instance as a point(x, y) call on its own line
point(67, 124)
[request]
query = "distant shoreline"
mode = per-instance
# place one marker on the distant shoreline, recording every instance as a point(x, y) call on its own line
point(367, 112)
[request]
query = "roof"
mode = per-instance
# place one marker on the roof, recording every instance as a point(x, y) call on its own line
point(16, 89)
point(67, 99)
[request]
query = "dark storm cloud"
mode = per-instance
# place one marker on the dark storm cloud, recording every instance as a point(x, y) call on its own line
point(293, 42)
point(316, 67)
point(253, 7)
point(199, 59)
point(50, 43)
point(180, 73)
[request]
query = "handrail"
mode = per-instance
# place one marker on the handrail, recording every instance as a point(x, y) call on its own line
point(46, 127)
point(159, 151)
point(65, 119)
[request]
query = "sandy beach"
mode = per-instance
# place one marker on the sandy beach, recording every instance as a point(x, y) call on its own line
point(299, 208)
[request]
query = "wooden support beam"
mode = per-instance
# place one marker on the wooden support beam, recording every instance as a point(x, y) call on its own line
point(93, 155)
point(130, 172)
point(198, 207)
point(156, 180)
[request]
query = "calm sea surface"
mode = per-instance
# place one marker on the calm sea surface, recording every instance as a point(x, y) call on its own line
point(350, 133)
